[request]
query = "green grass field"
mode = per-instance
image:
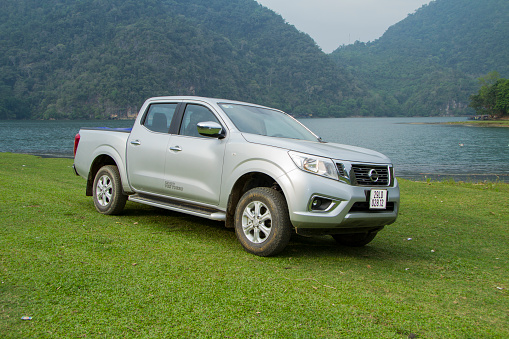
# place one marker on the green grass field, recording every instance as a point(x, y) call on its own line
point(441, 271)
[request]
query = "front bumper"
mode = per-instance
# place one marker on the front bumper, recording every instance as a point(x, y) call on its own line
point(351, 208)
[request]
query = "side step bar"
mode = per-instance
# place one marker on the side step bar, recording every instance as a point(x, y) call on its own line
point(179, 206)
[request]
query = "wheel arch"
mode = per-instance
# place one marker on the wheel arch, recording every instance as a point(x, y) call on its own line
point(243, 184)
point(103, 159)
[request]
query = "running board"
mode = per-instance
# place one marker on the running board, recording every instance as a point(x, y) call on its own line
point(179, 206)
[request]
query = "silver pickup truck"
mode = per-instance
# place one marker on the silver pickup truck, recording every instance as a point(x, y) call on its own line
point(256, 168)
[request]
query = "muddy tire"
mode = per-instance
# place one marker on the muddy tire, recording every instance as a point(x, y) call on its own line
point(262, 223)
point(107, 191)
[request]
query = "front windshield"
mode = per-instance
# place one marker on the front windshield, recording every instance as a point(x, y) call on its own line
point(264, 121)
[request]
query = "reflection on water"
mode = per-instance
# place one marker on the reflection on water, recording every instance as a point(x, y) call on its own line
point(417, 146)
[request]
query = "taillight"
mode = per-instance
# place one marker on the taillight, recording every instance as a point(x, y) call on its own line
point(76, 142)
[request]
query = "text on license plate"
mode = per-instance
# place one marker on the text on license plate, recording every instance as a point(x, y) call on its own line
point(378, 199)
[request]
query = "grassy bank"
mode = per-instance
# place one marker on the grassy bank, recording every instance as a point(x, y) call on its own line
point(441, 271)
point(481, 123)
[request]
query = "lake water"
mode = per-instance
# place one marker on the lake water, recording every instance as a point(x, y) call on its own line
point(418, 147)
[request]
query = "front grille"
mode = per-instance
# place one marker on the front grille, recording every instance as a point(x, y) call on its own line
point(371, 175)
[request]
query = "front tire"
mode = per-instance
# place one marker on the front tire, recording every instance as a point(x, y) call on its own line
point(108, 195)
point(262, 223)
point(354, 240)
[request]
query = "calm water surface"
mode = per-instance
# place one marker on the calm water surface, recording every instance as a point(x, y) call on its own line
point(55, 138)
point(424, 145)
point(418, 147)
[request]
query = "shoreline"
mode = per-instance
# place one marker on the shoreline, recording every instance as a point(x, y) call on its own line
point(417, 176)
point(481, 123)
point(468, 123)
point(457, 177)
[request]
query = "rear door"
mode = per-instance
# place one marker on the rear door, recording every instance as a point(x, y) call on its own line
point(147, 148)
point(194, 163)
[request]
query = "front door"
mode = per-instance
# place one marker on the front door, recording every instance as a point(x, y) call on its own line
point(194, 163)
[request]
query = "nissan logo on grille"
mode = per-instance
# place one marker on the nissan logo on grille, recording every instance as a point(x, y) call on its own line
point(373, 175)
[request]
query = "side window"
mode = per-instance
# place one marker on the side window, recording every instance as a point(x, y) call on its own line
point(192, 116)
point(159, 117)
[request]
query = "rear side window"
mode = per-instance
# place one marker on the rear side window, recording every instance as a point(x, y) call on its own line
point(159, 117)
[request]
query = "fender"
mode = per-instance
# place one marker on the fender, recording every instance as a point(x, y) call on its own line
point(276, 170)
point(106, 150)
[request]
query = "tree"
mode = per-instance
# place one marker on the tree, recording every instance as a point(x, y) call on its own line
point(493, 96)
point(502, 104)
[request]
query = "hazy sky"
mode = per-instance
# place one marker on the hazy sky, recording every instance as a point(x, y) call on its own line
point(332, 23)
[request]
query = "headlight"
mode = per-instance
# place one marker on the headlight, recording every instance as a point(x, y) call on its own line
point(316, 165)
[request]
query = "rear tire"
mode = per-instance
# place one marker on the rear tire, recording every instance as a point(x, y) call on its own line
point(262, 223)
point(354, 240)
point(107, 191)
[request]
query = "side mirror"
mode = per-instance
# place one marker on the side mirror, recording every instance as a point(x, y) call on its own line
point(210, 129)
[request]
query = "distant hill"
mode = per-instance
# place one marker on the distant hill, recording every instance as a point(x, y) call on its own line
point(102, 58)
point(428, 63)
point(98, 58)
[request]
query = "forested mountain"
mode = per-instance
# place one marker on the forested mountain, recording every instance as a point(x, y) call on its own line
point(428, 63)
point(103, 58)
point(100, 58)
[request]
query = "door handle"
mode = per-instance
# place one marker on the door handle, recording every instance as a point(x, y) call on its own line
point(175, 148)
point(135, 142)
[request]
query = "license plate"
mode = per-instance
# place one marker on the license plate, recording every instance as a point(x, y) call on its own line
point(378, 199)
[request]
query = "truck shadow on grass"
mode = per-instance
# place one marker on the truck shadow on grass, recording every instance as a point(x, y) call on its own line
point(301, 246)
point(384, 247)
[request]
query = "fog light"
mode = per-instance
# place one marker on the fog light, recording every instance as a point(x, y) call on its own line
point(320, 204)
point(316, 203)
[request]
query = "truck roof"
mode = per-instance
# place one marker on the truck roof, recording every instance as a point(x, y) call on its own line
point(205, 99)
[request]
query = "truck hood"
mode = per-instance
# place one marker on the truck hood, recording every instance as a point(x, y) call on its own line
point(322, 149)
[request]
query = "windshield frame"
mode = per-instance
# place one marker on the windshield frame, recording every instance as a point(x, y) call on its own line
point(292, 128)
